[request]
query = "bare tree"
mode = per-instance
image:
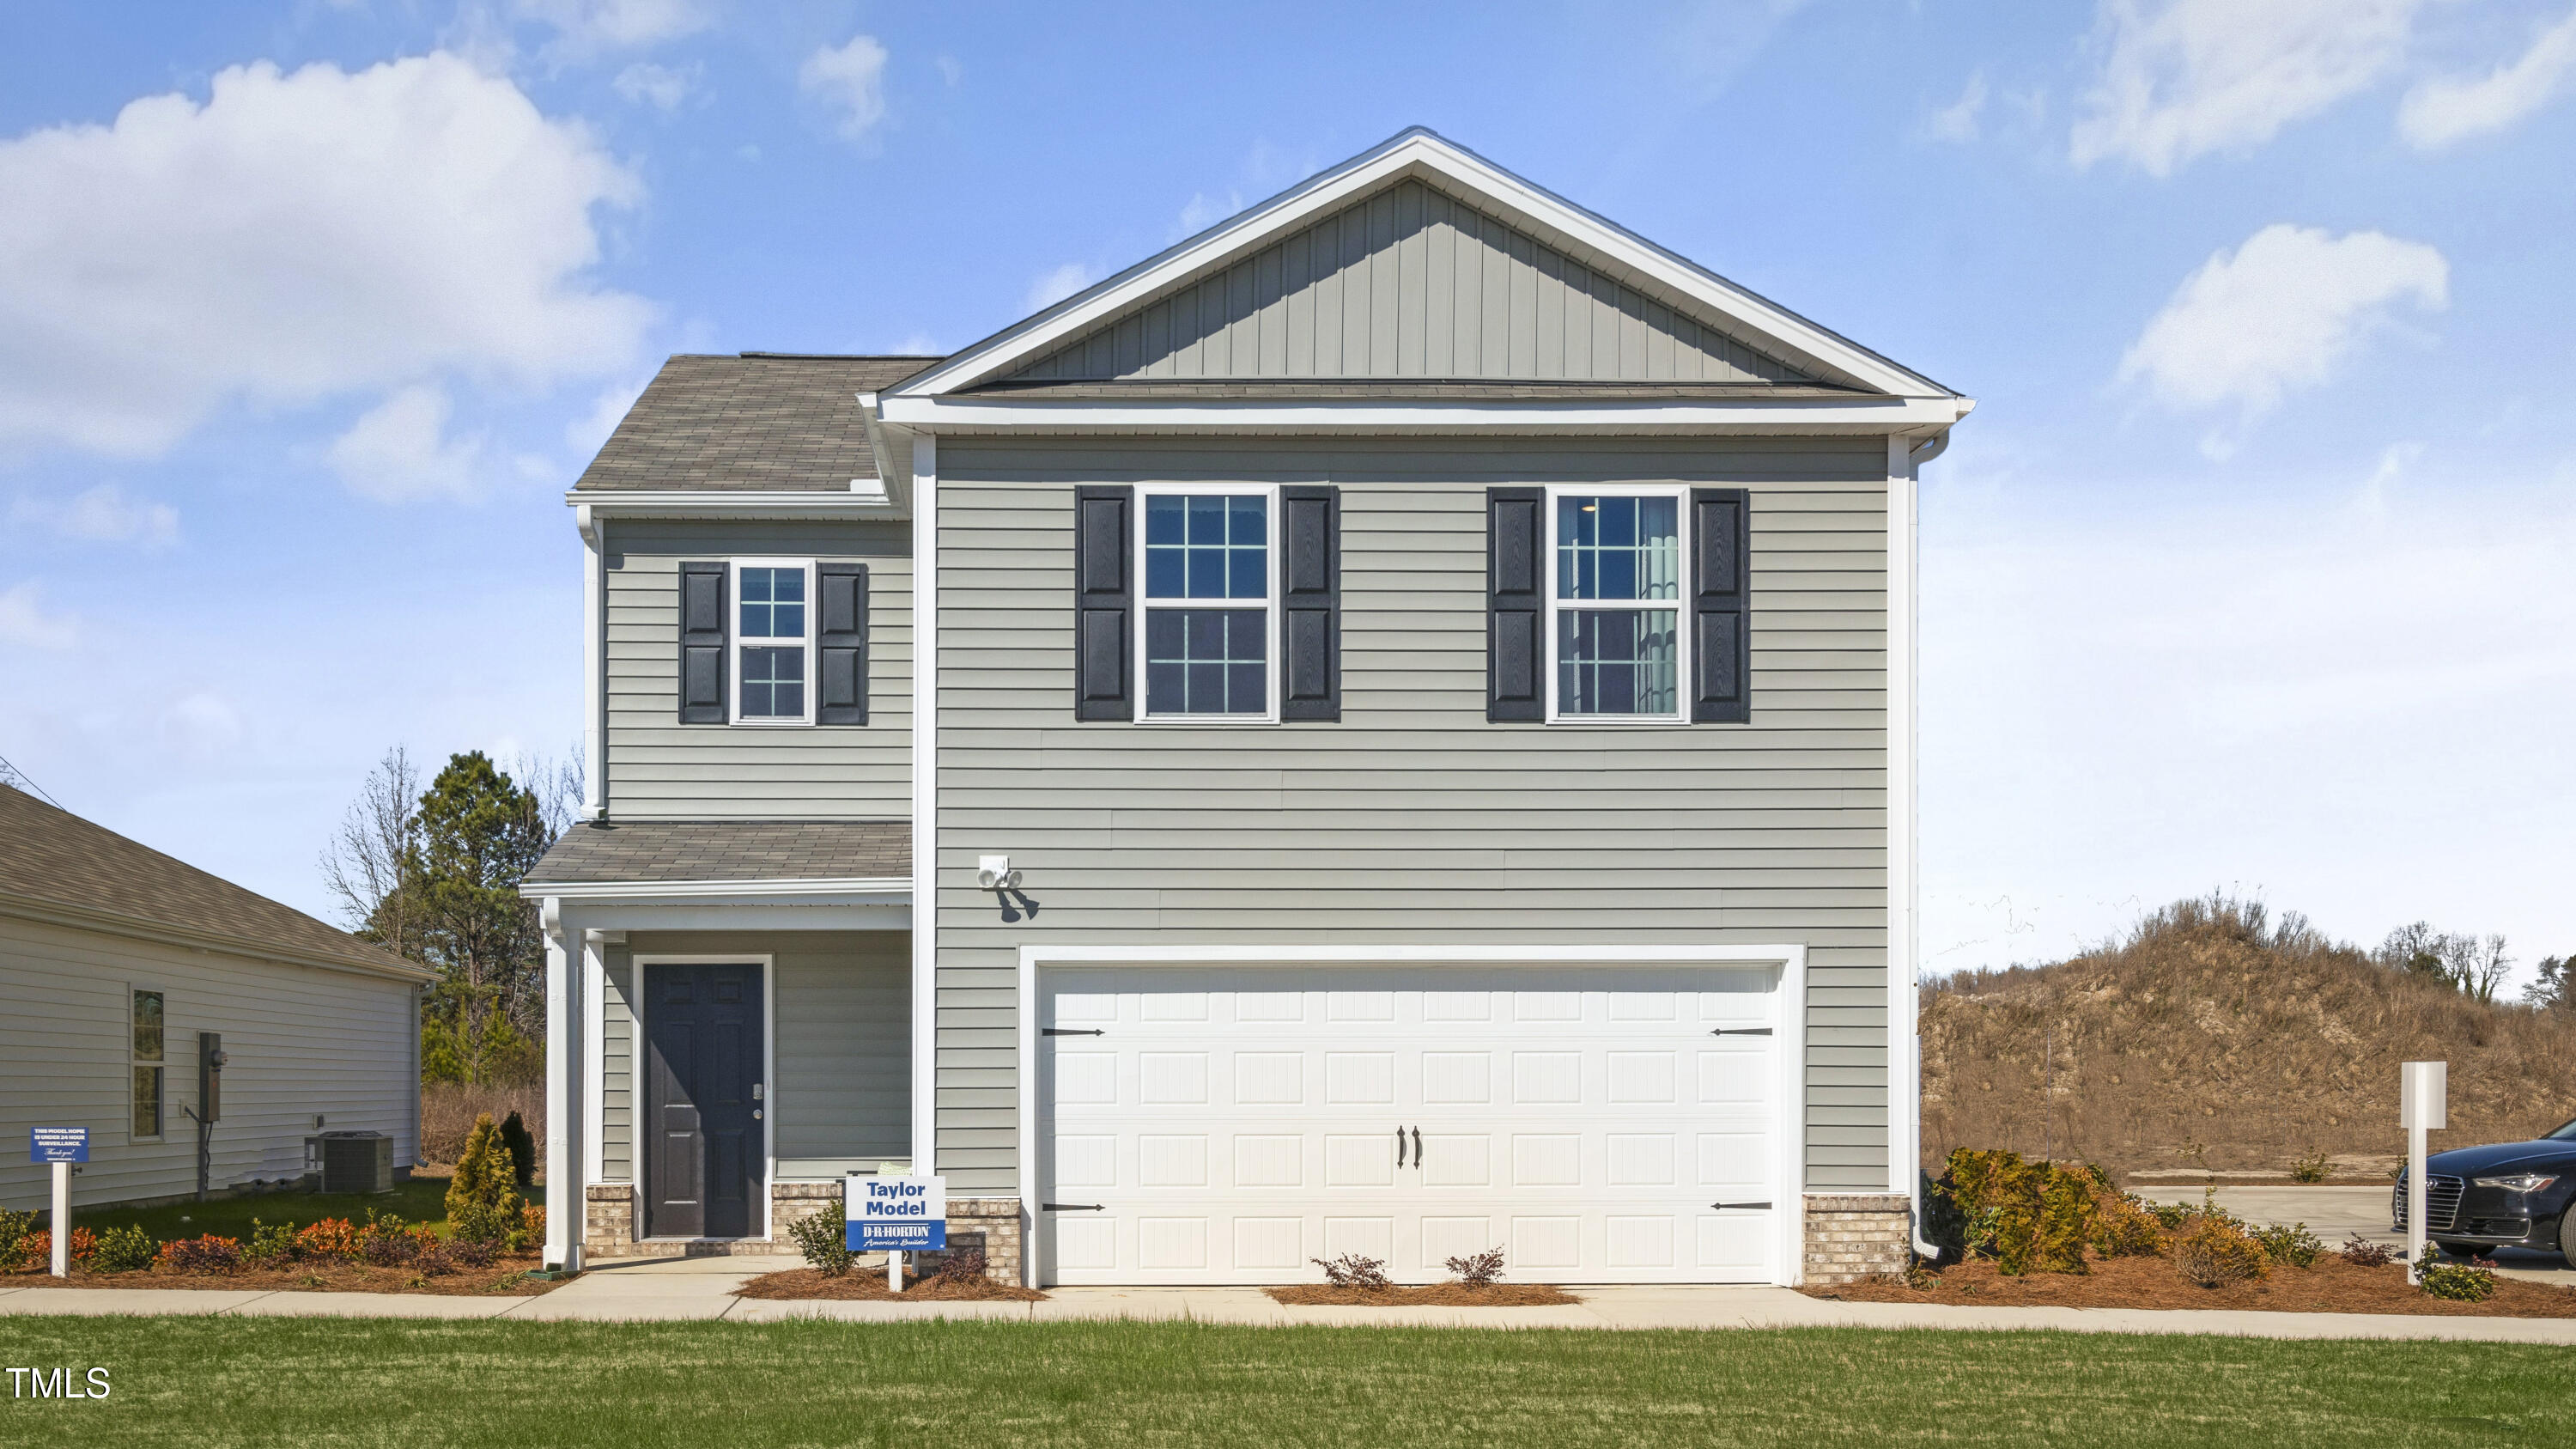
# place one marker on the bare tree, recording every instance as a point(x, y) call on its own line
point(560, 785)
point(367, 865)
point(2470, 965)
point(2555, 990)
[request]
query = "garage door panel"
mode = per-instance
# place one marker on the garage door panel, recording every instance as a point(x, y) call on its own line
point(1269, 1245)
point(1457, 1159)
point(1352, 1160)
point(1368, 1237)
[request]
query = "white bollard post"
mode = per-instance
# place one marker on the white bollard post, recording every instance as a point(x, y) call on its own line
point(2423, 1099)
point(62, 1264)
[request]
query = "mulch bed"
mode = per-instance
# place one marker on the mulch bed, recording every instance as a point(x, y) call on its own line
point(503, 1277)
point(2332, 1286)
point(863, 1286)
point(1436, 1295)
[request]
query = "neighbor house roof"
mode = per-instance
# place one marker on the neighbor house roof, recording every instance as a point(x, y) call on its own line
point(633, 851)
point(55, 864)
point(748, 423)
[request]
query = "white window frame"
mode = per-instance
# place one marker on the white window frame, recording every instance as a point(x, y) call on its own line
point(736, 642)
point(1269, 601)
point(162, 1115)
point(1680, 605)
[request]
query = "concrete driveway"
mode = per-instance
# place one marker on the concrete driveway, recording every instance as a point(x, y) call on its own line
point(2337, 1213)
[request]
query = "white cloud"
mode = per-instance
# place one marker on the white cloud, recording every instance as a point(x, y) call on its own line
point(23, 620)
point(294, 237)
point(400, 452)
point(201, 726)
point(2190, 77)
point(1059, 284)
point(851, 80)
point(2279, 312)
point(102, 515)
point(590, 431)
point(661, 86)
point(1202, 211)
point(2439, 112)
point(1959, 120)
point(587, 27)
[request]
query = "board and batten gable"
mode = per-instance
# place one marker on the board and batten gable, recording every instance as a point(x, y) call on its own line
point(1414, 820)
point(660, 769)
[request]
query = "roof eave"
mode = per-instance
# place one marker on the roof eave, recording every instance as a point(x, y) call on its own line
point(64, 913)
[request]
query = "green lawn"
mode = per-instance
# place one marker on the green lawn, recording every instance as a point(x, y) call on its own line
point(314, 1381)
point(420, 1200)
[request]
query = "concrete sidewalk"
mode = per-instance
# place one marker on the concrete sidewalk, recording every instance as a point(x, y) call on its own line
point(702, 1288)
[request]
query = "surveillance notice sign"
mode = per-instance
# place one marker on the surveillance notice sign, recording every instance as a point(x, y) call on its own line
point(904, 1214)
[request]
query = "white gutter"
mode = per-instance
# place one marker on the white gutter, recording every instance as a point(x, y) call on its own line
point(887, 890)
point(594, 645)
point(1516, 417)
point(867, 498)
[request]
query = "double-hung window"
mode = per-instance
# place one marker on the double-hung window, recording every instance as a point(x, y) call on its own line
point(1210, 646)
point(1617, 647)
point(773, 641)
point(148, 1060)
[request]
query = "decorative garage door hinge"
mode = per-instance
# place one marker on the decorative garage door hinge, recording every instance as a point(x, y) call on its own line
point(1070, 1031)
point(1069, 1207)
point(1741, 1031)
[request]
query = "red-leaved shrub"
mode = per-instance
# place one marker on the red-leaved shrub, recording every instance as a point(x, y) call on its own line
point(207, 1254)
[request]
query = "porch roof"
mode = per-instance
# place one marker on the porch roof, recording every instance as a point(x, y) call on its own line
point(649, 851)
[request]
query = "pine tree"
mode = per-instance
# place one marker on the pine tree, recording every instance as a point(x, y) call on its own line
point(483, 1200)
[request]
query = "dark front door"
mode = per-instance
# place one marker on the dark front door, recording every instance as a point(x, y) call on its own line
point(703, 1145)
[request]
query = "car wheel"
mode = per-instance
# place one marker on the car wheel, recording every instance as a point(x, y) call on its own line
point(2567, 1235)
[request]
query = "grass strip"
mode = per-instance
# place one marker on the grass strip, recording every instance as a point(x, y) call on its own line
point(224, 1381)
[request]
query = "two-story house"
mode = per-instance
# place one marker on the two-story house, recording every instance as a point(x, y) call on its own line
point(1385, 728)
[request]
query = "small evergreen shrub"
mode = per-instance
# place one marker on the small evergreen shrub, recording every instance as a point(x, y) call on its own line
point(522, 1146)
point(15, 1229)
point(483, 1199)
point(2216, 1251)
point(271, 1245)
point(2292, 1246)
point(36, 1250)
point(206, 1254)
point(2030, 1217)
point(2361, 1252)
point(2459, 1282)
point(1350, 1270)
point(128, 1249)
point(389, 1242)
point(824, 1238)
point(531, 1235)
point(2311, 1168)
point(1479, 1270)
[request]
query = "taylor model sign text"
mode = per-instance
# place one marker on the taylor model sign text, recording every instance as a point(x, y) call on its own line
point(904, 1214)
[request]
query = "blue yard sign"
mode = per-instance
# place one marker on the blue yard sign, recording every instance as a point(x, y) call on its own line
point(58, 1144)
point(904, 1214)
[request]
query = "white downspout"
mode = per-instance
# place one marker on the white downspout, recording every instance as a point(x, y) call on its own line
point(594, 689)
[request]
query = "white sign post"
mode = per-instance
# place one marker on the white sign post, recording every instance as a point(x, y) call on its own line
point(61, 1146)
point(897, 1214)
point(2423, 1100)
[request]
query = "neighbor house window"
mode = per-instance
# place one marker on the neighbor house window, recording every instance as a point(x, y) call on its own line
point(1615, 638)
point(773, 642)
point(1210, 637)
point(147, 1055)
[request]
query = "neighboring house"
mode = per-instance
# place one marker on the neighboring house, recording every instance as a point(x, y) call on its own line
point(114, 958)
point(1439, 671)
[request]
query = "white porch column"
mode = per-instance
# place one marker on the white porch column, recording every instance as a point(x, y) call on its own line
point(566, 1197)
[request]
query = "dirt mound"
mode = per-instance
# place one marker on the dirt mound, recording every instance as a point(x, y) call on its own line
point(2216, 1038)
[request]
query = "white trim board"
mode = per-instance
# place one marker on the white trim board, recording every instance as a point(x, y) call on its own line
point(1420, 154)
point(891, 890)
point(1857, 416)
point(1790, 1033)
point(636, 1074)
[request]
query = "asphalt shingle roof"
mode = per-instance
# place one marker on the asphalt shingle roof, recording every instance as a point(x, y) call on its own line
point(675, 850)
point(750, 423)
point(52, 856)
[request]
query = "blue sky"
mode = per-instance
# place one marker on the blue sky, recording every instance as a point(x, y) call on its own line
point(2251, 569)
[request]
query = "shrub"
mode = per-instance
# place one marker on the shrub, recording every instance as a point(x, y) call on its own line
point(15, 1229)
point(271, 1245)
point(469, 1254)
point(329, 1238)
point(36, 1250)
point(531, 1235)
point(2030, 1217)
point(2293, 1245)
point(128, 1249)
point(1480, 1270)
point(389, 1241)
point(2311, 1168)
point(206, 1254)
point(2125, 1226)
point(2361, 1252)
point(482, 1202)
point(1350, 1270)
point(961, 1265)
point(435, 1258)
point(2459, 1282)
point(824, 1238)
point(522, 1147)
point(2216, 1251)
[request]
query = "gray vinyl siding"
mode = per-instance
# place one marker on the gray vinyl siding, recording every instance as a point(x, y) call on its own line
point(302, 1041)
point(842, 1014)
point(660, 769)
point(1410, 283)
point(617, 1066)
point(1413, 820)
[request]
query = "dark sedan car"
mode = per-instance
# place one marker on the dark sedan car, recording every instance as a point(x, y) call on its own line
point(2508, 1195)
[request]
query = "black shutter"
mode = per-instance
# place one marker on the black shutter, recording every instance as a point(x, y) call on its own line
point(1721, 645)
point(1104, 601)
point(1515, 651)
point(841, 643)
point(1310, 602)
point(702, 643)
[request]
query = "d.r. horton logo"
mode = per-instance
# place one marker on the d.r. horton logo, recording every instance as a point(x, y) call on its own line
point(57, 1383)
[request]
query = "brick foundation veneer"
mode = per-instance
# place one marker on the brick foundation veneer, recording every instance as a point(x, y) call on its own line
point(1857, 1235)
point(609, 1230)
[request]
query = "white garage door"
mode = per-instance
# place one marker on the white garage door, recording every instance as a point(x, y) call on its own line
point(1227, 1124)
